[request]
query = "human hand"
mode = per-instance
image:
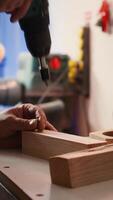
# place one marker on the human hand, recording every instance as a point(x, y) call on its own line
point(17, 8)
point(25, 117)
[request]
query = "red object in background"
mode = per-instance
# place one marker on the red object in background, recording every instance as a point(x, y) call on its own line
point(55, 63)
point(105, 15)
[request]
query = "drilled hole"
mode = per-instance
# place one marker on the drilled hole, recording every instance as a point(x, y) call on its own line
point(6, 167)
point(109, 133)
point(39, 195)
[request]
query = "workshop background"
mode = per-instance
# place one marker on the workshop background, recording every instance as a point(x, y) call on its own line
point(67, 17)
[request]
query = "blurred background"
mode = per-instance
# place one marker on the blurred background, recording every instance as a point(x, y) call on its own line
point(79, 97)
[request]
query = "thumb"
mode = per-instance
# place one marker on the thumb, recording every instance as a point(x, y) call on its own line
point(25, 124)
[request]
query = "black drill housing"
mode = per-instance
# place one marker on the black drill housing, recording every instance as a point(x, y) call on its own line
point(36, 28)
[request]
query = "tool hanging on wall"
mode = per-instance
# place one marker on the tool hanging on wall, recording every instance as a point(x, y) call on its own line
point(104, 20)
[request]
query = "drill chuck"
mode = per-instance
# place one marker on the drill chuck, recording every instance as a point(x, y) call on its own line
point(44, 69)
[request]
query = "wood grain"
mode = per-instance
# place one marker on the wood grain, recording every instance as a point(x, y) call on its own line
point(49, 143)
point(83, 168)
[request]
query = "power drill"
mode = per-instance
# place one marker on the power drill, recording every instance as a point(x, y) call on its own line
point(35, 25)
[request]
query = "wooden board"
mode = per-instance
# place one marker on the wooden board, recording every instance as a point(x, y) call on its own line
point(103, 135)
point(49, 143)
point(83, 168)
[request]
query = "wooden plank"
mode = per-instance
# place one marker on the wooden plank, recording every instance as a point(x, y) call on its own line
point(83, 168)
point(103, 135)
point(49, 143)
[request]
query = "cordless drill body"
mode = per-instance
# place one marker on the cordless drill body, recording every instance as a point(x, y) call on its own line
point(36, 31)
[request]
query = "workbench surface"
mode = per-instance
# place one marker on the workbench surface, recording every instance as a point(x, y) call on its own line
point(33, 178)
